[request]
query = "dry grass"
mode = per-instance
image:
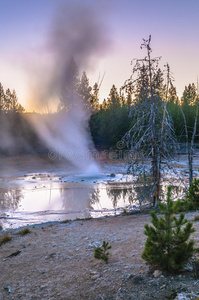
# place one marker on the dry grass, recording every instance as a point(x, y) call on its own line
point(24, 231)
point(5, 238)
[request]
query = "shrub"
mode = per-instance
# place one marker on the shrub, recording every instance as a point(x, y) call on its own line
point(196, 218)
point(181, 205)
point(167, 246)
point(24, 231)
point(5, 238)
point(101, 252)
point(192, 195)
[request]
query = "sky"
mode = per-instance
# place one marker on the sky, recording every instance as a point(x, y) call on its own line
point(25, 27)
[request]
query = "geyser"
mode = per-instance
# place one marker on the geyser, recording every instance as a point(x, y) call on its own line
point(77, 37)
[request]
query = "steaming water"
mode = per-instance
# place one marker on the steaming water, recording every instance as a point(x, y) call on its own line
point(38, 198)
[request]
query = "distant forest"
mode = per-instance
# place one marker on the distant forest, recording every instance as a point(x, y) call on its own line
point(109, 121)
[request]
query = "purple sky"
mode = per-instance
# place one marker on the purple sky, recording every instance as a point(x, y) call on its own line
point(173, 24)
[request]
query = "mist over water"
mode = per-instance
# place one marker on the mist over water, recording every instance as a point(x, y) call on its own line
point(77, 34)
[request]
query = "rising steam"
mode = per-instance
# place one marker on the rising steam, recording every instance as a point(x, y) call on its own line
point(76, 34)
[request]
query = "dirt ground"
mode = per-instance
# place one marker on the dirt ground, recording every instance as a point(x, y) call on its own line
point(57, 262)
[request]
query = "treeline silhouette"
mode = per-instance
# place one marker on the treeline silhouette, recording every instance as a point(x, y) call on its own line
point(109, 121)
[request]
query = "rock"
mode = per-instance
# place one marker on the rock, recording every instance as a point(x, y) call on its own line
point(7, 288)
point(94, 275)
point(43, 286)
point(157, 273)
point(112, 175)
point(163, 286)
point(136, 279)
point(182, 296)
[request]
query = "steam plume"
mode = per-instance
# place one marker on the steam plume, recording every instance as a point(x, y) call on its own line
point(77, 33)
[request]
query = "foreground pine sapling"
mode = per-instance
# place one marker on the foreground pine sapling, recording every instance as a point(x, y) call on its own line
point(167, 246)
point(101, 252)
point(192, 195)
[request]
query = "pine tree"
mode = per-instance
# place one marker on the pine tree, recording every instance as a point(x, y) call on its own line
point(192, 195)
point(172, 95)
point(69, 87)
point(113, 99)
point(94, 100)
point(14, 102)
point(167, 246)
point(8, 96)
point(189, 95)
point(84, 90)
point(2, 98)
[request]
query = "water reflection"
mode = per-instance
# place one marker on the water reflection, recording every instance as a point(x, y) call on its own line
point(76, 198)
point(56, 201)
point(10, 198)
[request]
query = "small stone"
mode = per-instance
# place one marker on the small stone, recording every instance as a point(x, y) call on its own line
point(42, 286)
point(7, 288)
point(182, 296)
point(94, 275)
point(163, 286)
point(112, 175)
point(157, 273)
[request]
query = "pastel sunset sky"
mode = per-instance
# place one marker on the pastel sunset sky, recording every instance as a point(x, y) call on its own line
point(25, 27)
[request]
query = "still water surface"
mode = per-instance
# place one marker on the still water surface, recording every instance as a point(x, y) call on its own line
point(38, 198)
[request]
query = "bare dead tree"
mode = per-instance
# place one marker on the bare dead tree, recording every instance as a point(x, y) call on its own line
point(151, 139)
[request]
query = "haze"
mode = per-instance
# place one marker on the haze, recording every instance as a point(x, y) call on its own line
point(173, 25)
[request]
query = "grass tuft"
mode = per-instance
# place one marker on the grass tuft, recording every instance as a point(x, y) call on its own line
point(24, 231)
point(5, 238)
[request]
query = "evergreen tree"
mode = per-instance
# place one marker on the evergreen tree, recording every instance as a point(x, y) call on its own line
point(8, 96)
point(113, 99)
point(84, 90)
point(192, 196)
point(172, 95)
point(189, 95)
point(2, 98)
point(167, 246)
point(14, 102)
point(20, 108)
point(104, 105)
point(69, 87)
point(94, 100)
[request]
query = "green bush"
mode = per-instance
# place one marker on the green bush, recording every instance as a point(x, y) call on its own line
point(167, 246)
point(196, 218)
point(181, 205)
point(192, 196)
point(101, 252)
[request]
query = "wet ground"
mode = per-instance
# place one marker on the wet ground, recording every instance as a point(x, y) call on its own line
point(33, 189)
